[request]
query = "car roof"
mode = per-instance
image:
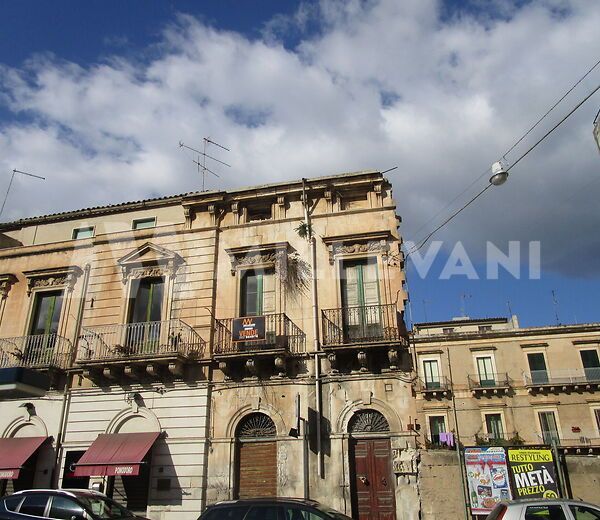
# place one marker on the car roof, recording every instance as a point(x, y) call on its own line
point(535, 501)
point(74, 493)
point(259, 500)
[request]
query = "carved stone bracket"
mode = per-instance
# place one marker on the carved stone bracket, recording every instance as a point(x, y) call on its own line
point(363, 361)
point(393, 358)
point(354, 244)
point(6, 282)
point(65, 277)
point(280, 366)
point(267, 254)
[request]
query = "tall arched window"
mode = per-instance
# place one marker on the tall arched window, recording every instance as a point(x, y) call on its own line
point(368, 421)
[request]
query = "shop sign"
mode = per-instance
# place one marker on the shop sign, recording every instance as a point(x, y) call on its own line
point(533, 473)
point(487, 476)
point(249, 328)
point(9, 474)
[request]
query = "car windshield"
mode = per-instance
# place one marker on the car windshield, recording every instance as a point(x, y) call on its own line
point(332, 512)
point(104, 507)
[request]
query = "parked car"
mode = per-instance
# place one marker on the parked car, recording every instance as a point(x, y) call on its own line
point(545, 509)
point(271, 509)
point(61, 504)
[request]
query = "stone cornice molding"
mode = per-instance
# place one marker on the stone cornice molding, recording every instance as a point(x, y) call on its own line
point(65, 277)
point(149, 260)
point(370, 242)
point(257, 255)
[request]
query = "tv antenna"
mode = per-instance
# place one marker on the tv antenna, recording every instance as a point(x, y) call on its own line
point(201, 164)
point(12, 178)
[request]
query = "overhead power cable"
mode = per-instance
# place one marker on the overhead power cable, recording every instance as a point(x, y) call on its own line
point(473, 199)
point(573, 87)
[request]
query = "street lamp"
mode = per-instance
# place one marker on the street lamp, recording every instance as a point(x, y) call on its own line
point(499, 174)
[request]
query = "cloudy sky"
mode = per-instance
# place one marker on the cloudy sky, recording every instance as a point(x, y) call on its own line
point(95, 96)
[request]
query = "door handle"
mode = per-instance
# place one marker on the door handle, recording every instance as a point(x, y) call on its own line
point(363, 479)
point(384, 481)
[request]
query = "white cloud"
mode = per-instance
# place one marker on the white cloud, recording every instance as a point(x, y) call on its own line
point(379, 84)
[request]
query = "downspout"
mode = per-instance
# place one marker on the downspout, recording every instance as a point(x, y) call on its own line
point(315, 320)
point(66, 394)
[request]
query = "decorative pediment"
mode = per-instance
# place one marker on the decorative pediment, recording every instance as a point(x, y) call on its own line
point(54, 277)
point(378, 242)
point(149, 260)
point(6, 282)
point(258, 255)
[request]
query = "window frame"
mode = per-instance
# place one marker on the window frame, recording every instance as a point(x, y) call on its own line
point(82, 228)
point(536, 351)
point(438, 360)
point(262, 270)
point(554, 410)
point(136, 221)
point(46, 507)
point(70, 499)
point(428, 417)
point(485, 355)
point(484, 415)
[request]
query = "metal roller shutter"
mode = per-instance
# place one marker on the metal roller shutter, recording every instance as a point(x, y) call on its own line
point(257, 469)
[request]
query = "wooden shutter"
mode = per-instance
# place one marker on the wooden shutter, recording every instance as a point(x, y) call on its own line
point(268, 292)
point(257, 475)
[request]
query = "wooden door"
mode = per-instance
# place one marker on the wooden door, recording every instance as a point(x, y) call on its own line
point(373, 489)
point(257, 469)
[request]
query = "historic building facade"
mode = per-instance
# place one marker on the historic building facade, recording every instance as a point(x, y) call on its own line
point(182, 350)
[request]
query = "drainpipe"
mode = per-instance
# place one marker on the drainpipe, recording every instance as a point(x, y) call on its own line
point(66, 394)
point(315, 319)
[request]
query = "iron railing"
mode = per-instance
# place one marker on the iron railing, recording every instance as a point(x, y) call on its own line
point(483, 381)
point(436, 384)
point(140, 340)
point(550, 437)
point(364, 324)
point(280, 332)
point(35, 351)
point(500, 438)
point(574, 376)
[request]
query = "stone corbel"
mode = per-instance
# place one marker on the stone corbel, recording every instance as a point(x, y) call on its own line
point(6, 282)
point(64, 277)
point(188, 213)
point(281, 206)
point(235, 209)
point(378, 190)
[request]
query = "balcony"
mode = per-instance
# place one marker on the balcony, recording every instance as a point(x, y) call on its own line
point(30, 365)
point(437, 388)
point(369, 325)
point(138, 349)
point(282, 337)
point(575, 379)
point(489, 384)
point(499, 439)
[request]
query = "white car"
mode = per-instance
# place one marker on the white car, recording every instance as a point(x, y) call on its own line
point(545, 509)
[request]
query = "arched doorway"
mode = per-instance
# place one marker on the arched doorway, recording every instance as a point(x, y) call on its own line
point(256, 457)
point(371, 468)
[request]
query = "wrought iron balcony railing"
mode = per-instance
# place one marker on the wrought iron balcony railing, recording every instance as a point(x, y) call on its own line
point(491, 381)
point(365, 324)
point(280, 333)
point(433, 385)
point(35, 351)
point(140, 341)
point(569, 377)
point(500, 438)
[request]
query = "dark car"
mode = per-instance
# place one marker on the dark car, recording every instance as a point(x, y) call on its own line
point(271, 509)
point(61, 504)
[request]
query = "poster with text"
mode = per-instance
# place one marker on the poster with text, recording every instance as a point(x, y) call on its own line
point(533, 473)
point(487, 475)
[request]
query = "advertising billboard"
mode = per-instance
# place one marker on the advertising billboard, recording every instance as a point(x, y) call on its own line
point(487, 476)
point(533, 472)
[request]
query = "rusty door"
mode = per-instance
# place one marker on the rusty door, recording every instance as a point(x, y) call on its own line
point(257, 469)
point(373, 489)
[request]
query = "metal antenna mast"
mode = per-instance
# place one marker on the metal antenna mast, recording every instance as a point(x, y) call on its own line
point(12, 178)
point(202, 164)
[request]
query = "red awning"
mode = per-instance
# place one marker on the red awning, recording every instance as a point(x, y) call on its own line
point(115, 454)
point(14, 452)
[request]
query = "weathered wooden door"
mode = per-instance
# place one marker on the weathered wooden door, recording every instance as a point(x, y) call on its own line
point(373, 493)
point(257, 475)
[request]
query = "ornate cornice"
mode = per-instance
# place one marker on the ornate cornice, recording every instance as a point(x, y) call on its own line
point(54, 277)
point(149, 260)
point(264, 254)
point(373, 242)
point(6, 282)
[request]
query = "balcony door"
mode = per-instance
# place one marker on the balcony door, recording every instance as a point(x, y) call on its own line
point(493, 425)
point(360, 300)
point(431, 372)
point(257, 293)
point(591, 364)
point(485, 370)
point(437, 425)
point(45, 321)
point(549, 427)
point(145, 315)
point(537, 367)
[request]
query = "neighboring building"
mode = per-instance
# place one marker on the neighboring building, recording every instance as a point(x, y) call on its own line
point(509, 385)
point(121, 355)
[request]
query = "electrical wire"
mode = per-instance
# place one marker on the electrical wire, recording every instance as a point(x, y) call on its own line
point(590, 70)
point(529, 150)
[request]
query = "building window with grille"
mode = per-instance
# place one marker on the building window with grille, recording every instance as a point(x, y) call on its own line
point(494, 427)
point(549, 427)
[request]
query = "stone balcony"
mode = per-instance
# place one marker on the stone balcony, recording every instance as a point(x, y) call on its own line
point(489, 384)
point(437, 389)
point(138, 351)
point(567, 380)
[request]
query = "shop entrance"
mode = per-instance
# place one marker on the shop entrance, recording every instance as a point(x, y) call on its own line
point(372, 479)
point(256, 457)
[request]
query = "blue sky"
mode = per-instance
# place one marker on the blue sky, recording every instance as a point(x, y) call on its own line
point(96, 95)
